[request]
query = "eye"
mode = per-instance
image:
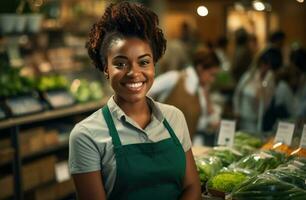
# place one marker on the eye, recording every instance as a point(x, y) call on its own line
point(144, 62)
point(120, 64)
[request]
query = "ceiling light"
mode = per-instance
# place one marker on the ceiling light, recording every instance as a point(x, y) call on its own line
point(202, 11)
point(258, 5)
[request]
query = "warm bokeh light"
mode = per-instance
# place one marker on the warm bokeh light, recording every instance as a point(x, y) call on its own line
point(258, 5)
point(202, 11)
point(300, 1)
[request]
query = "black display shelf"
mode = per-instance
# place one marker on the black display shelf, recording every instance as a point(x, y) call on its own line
point(52, 114)
point(13, 124)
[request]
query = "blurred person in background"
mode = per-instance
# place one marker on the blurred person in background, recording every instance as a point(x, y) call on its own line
point(289, 100)
point(243, 54)
point(134, 147)
point(176, 57)
point(253, 43)
point(277, 40)
point(255, 90)
point(221, 51)
point(189, 90)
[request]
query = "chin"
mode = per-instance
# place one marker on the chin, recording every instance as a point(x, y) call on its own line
point(132, 98)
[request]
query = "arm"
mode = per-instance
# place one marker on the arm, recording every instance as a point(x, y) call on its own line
point(192, 186)
point(84, 165)
point(237, 94)
point(89, 186)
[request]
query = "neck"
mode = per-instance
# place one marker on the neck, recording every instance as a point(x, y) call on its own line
point(133, 108)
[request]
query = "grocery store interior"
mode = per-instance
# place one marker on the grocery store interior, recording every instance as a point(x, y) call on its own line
point(250, 138)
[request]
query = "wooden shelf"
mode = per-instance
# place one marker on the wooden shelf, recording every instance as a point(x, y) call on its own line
point(52, 114)
point(40, 153)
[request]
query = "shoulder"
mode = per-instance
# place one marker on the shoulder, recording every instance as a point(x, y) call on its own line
point(171, 113)
point(176, 120)
point(93, 127)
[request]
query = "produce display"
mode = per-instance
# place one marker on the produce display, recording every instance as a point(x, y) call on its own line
point(22, 95)
point(260, 161)
point(226, 155)
point(207, 167)
point(12, 83)
point(266, 186)
point(270, 174)
point(84, 91)
point(51, 82)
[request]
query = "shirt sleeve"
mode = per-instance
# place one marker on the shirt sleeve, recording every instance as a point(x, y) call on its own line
point(84, 155)
point(163, 84)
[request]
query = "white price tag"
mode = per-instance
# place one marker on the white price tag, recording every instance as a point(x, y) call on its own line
point(62, 172)
point(303, 138)
point(284, 133)
point(227, 133)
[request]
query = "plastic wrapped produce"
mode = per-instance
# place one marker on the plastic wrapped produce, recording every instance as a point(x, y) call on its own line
point(226, 181)
point(267, 186)
point(260, 161)
point(207, 167)
point(227, 155)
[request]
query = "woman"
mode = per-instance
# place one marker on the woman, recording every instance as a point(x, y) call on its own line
point(193, 84)
point(255, 90)
point(289, 96)
point(133, 148)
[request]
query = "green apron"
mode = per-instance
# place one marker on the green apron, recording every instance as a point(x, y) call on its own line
point(147, 171)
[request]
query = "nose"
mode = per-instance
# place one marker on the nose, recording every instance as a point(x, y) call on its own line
point(134, 70)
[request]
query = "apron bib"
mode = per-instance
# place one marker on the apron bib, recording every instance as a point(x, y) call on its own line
point(147, 171)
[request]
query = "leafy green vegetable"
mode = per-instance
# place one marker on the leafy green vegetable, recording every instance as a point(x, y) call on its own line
point(266, 186)
point(226, 181)
point(243, 138)
point(226, 155)
point(207, 167)
point(261, 161)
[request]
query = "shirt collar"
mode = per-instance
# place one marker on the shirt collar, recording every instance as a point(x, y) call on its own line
point(118, 113)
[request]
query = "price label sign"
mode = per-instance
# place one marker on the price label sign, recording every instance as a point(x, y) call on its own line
point(227, 133)
point(24, 105)
point(303, 138)
point(59, 98)
point(284, 133)
point(62, 171)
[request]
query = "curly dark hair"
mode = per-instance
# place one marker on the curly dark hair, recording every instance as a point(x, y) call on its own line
point(124, 19)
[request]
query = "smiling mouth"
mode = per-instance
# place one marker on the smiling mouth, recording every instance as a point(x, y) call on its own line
point(134, 86)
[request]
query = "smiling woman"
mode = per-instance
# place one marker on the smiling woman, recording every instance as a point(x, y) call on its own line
point(133, 148)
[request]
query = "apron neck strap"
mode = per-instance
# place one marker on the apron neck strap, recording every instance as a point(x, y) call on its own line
point(170, 130)
point(114, 134)
point(111, 127)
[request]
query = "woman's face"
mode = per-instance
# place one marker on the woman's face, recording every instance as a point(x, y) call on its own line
point(130, 68)
point(208, 76)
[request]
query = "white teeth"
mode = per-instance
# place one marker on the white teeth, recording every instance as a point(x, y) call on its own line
point(134, 85)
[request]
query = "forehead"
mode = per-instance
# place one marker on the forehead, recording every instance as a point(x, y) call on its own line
point(129, 46)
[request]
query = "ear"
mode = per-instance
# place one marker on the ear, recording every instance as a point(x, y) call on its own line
point(105, 71)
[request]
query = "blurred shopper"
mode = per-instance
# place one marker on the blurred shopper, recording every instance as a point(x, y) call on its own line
point(289, 100)
point(242, 54)
point(176, 57)
point(255, 90)
point(189, 90)
point(221, 51)
point(277, 40)
point(134, 147)
point(253, 44)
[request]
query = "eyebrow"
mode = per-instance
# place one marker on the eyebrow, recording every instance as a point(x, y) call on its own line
point(124, 57)
point(144, 55)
